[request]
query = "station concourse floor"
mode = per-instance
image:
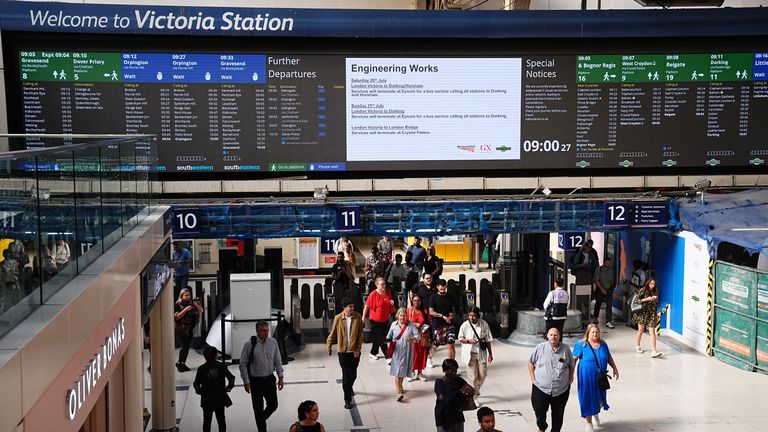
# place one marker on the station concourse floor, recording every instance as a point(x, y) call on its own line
point(681, 391)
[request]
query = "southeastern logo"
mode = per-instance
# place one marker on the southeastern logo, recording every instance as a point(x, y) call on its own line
point(466, 148)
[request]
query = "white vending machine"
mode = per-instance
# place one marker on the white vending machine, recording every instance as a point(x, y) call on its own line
point(250, 299)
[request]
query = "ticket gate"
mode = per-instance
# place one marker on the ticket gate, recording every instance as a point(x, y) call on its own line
point(470, 301)
point(504, 314)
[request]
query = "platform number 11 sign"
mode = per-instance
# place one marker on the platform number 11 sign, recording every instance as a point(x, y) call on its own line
point(348, 219)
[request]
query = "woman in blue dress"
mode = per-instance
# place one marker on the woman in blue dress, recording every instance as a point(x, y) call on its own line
point(403, 333)
point(591, 398)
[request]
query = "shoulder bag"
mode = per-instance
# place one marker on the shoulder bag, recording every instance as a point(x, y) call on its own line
point(467, 401)
point(481, 342)
point(634, 302)
point(602, 377)
point(393, 344)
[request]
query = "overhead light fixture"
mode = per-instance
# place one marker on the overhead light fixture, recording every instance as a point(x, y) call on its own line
point(750, 229)
point(546, 191)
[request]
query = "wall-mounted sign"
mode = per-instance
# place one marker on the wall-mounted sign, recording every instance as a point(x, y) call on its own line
point(636, 214)
point(570, 241)
point(348, 219)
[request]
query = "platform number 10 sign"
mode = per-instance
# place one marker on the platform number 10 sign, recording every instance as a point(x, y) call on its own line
point(186, 221)
point(348, 219)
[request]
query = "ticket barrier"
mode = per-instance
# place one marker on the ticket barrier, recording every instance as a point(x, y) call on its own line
point(367, 338)
point(330, 301)
point(470, 300)
point(504, 314)
point(296, 315)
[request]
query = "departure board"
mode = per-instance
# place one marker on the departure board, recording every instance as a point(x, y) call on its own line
point(267, 112)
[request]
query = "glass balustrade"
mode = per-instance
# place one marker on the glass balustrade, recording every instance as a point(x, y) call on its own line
point(63, 202)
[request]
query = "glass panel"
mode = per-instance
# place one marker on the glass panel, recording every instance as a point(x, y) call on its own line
point(55, 192)
point(88, 217)
point(110, 194)
point(61, 209)
point(129, 208)
point(19, 285)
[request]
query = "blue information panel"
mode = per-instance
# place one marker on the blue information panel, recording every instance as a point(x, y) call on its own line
point(570, 241)
point(326, 246)
point(616, 214)
point(194, 68)
point(186, 221)
point(348, 219)
point(636, 214)
point(650, 214)
point(760, 68)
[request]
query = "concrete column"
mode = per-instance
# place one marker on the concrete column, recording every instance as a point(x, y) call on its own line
point(133, 378)
point(163, 360)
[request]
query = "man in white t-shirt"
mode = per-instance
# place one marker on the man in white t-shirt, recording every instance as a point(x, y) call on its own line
point(476, 353)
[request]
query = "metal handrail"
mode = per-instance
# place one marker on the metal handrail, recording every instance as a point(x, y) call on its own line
point(103, 139)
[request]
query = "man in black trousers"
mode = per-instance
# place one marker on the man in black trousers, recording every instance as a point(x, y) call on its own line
point(259, 361)
point(347, 332)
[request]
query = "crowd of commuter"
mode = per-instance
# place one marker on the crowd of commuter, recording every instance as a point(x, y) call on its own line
point(22, 269)
point(409, 337)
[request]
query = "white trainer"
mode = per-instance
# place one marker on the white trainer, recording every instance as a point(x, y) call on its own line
point(373, 357)
point(609, 325)
point(597, 419)
point(589, 428)
point(656, 354)
point(429, 363)
point(389, 361)
point(638, 350)
point(410, 379)
point(421, 377)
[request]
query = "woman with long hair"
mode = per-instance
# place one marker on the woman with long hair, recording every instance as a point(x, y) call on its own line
point(185, 311)
point(592, 357)
point(419, 316)
point(308, 415)
point(648, 316)
point(403, 334)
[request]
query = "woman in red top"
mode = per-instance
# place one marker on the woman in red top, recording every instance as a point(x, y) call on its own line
point(380, 306)
point(421, 319)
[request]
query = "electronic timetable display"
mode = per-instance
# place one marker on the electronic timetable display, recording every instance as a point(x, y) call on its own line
point(314, 112)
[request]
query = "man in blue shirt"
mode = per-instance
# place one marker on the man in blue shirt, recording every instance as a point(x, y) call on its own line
point(419, 254)
point(181, 261)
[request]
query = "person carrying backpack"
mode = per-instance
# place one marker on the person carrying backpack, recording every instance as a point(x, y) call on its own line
point(209, 384)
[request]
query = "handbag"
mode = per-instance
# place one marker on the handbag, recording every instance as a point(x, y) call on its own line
point(181, 328)
point(467, 402)
point(393, 344)
point(602, 377)
point(227, 400)
point(634, 303)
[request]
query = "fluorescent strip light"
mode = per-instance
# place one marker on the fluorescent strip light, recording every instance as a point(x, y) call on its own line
point(750, 229)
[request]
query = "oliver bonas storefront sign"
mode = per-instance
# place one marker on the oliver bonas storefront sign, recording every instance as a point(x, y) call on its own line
point(91, 375)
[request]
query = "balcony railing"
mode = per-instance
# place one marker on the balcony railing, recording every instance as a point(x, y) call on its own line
point(63, 202)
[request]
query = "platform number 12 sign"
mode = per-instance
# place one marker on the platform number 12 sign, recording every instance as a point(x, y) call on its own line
point(348, 219)
point(570, 241)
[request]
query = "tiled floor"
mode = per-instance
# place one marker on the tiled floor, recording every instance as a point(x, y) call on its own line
point(681, 391)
